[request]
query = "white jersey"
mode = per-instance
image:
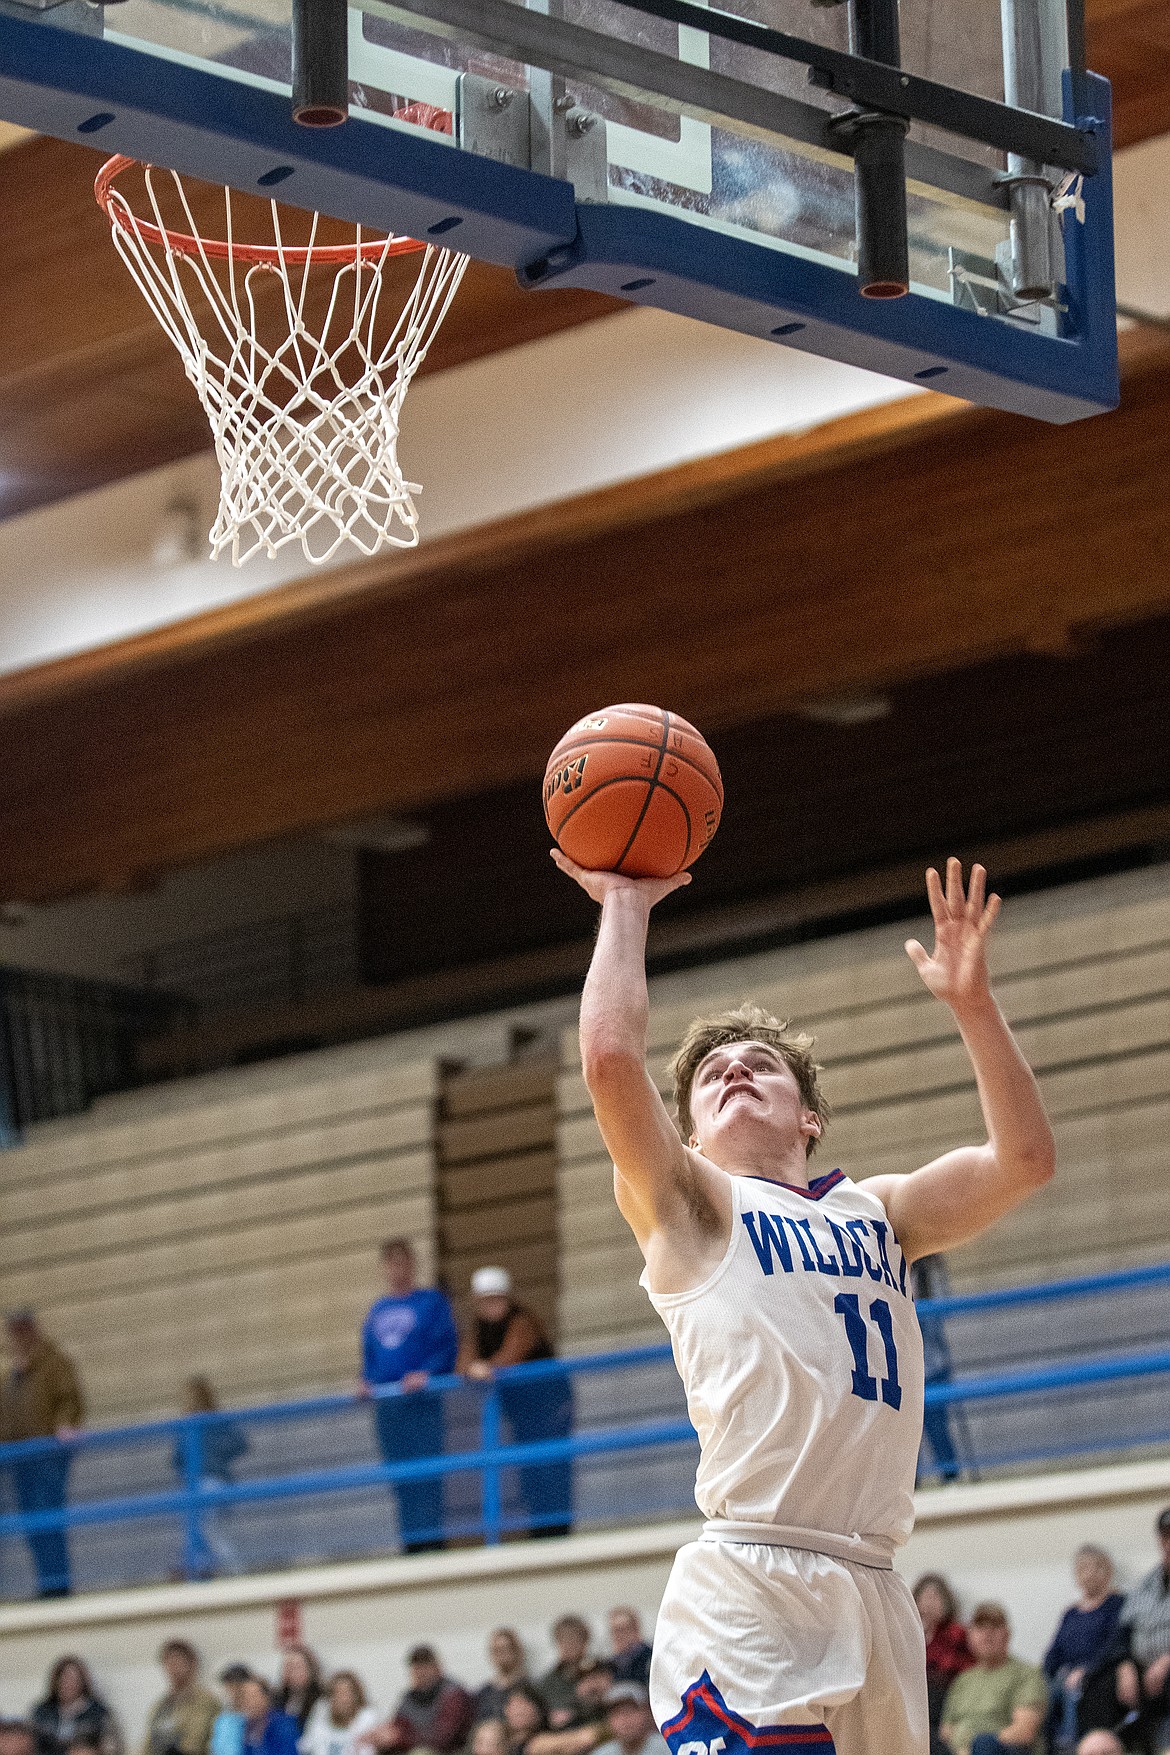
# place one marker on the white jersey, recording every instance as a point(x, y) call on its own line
point(802, 1362)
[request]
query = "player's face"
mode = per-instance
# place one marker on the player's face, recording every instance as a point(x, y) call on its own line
point(748, 1086)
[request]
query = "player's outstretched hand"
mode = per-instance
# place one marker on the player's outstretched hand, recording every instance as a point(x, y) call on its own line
point(956, 970)
point(599, 884)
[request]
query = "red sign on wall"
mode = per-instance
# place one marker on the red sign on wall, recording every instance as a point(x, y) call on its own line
point(288, 1623)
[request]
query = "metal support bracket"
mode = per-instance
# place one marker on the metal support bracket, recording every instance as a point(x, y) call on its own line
point(984, 285)
point(493, 121)
point(579, 150)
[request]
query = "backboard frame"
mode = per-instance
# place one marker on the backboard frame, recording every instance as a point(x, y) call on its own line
point(61, 75)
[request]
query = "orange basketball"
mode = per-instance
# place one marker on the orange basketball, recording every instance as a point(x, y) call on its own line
point(633, 789)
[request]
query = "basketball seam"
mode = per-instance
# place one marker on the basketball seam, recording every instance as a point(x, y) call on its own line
point(614, 780)
point(627, 780)
point(663, 741)
point(564, 749)
point(682, 805)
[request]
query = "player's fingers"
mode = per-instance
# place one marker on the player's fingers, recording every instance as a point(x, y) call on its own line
point(917, 953)
point(989, 914)
point(956, 901)
point(976, 890)
point(938, 902)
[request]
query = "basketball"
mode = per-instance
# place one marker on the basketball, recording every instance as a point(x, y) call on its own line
point(633, 789)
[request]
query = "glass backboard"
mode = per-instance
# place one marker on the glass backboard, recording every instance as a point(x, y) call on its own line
point(657, 149)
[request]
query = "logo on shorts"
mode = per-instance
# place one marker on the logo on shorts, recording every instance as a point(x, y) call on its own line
point(708, 1726)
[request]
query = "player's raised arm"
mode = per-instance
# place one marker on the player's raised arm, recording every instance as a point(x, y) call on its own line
point(961, 1194)
point(653, 1167)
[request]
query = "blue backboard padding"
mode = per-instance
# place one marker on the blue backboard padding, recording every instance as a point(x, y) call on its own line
point(743, 286)
point(211, 125)
point(229, 131)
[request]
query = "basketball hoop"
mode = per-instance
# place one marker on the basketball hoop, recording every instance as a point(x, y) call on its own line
point(303, 392)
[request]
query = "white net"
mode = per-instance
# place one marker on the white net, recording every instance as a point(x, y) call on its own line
point(303, 387)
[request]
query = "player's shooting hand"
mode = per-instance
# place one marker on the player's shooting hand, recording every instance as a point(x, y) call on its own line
point(599, 884)
point(956, 970)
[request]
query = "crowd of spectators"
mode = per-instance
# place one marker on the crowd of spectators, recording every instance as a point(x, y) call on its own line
point(408, 1338)
point(585, 1702)
point(1103, 1688)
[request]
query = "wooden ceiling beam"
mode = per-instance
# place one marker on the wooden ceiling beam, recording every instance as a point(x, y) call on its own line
point(909, 541)
point(1128, 41)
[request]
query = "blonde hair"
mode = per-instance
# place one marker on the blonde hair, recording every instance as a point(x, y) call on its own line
point(746, 1023)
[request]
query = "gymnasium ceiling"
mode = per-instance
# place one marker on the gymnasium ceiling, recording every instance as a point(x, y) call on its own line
point(91, 391)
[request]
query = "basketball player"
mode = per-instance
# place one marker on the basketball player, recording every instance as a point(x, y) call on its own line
point(789, 1309)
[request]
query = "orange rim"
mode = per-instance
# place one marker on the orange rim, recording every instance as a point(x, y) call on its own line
point(270, 255)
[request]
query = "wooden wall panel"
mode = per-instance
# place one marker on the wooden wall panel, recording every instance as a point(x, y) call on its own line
point(1084, 976)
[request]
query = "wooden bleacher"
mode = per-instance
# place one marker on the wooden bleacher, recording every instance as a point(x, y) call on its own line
point(226, 1224)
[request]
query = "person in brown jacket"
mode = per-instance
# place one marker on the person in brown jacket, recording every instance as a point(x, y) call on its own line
point(41, 1398)
point(505, 1333)
point(180, 1723)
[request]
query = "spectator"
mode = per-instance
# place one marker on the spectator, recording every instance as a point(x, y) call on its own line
point(525, 1717)
point(1100, 1743)
point(947, 1651)
point(997, 1706)
point(340, 1719)
point(299, 1688)
point(227, 1733)
point(221, 1444)
point(630, 1653)
point(589, 1725)
point(267, 1731)
point(435, 1713)
point(631, 1723)
point(1143, 1678)
point(1080, 1657)
point(409, 1337)
point(929, 1279)
point(41, 1398)
point(490, 1737)
point(505, 1333)
point(558, 1686)
point(181, 1722)
point(507, 1660)
point(72, 1712)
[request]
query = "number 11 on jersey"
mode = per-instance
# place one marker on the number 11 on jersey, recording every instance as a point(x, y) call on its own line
point(865, 1385)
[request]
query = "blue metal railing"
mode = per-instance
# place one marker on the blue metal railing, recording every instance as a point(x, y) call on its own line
point(150, 1500)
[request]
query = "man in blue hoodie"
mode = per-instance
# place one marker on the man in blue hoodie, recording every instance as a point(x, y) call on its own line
point(409, 1337)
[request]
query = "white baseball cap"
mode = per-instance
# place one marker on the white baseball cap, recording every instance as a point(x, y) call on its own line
point(491, 1282)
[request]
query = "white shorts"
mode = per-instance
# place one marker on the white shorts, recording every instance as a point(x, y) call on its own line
point(777, 1648)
